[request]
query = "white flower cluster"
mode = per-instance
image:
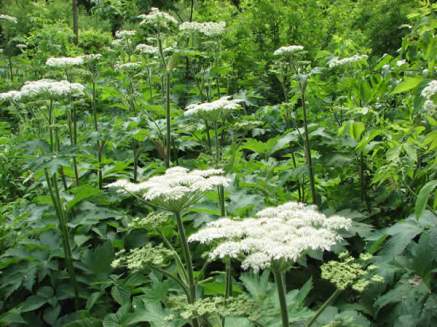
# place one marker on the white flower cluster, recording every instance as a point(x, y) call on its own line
point(287, 50)
point(91, 57)
point(224, 103)
point(9, 19)
point(335, 61)
point(125, 34)
point(285, 233)
point(401, 62)
point(63, 62)
point(158, 18)
point(10, 96)
point(205, 28)
point(428, 92)
point(128, 67)
point(44, 87)
point(146, 49)
point(21, 46)
point(177, 188)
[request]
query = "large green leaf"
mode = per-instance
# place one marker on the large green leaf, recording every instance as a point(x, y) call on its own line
point(407, 84)
point(99, 260)
point(423, 196)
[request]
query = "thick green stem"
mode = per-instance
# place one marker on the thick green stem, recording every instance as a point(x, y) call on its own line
point(174, 278)
point(75, 168)
point(135, 154)
point(94, 106)
point(217, 144)
point(208, 136)
point(298, 181)
point(61, 169)
point(308, 149)
point(363, 184)
point(100, 144)
point(75, 11)
point(62, 221)
point(11, 71)
point(188, 262)
point(50, 118)
point(282, 296)
point(179, 263)
point(323, 307)
point(167, 102)
point(168, 119)
point(228, 279)
point(221, 195)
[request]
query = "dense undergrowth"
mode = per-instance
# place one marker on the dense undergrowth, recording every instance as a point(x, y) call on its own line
point(218, 163)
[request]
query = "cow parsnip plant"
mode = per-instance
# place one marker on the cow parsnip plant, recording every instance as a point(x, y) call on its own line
point(218, 163)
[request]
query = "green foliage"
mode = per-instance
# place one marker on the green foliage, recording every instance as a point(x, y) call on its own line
point(372, 136)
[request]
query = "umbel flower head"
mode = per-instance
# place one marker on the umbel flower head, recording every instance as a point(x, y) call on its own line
point(8, 18)
point(336, 61)
point(158, 19)
point(146, 49)
point(278, 234)
point(143, 257)
point(205, 28)
point(44, 87)
point(92, 57)
point(429, 90)
point(215, 109)
point(128, 67)
point(357, 273)
point(177, 189)
point(10, 96)
point(288, 50)
point(51, 88)
point(63, 62)
point(125, 34)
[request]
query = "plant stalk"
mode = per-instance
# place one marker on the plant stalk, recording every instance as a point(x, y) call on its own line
point(282, 296)
point(323, 307)
point(308, 149)
point(188, 262)
point(57, 204)
point(168, 119)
